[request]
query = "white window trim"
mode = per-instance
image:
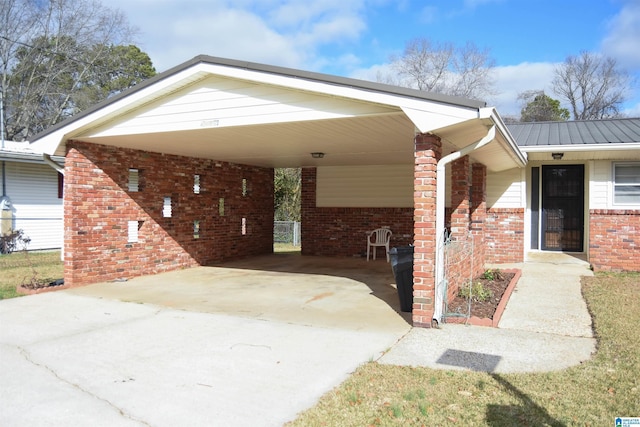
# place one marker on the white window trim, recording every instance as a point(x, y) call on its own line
point(612, 187)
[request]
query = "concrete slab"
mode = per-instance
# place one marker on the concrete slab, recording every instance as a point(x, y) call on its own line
point(314, 291)
point(481, 348)
point(250, 343)
point(79, 360)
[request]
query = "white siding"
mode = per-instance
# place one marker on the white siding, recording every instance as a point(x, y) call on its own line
point(505, 189)
point(365, 186)
point(599, 185)
point(37, 210)
point(223, 102)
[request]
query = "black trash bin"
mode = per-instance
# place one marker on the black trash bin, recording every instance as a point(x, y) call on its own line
point(402, 265)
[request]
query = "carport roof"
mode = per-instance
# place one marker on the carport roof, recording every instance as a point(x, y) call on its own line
point(271, 116)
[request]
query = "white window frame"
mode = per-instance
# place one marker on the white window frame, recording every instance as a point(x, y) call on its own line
point(635, 205)
point(134, 180)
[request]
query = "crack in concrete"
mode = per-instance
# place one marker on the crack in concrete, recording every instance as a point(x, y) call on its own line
point(28, 358)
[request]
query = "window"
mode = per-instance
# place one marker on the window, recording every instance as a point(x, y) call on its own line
point(196, 229)
point(626, 183)
point(132, 231)
point(134, 180)
point(166, 207)
point(196, 184)
point(244, 187)
point(60, 185)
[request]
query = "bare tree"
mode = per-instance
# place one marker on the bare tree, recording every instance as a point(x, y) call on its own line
point(592, 85)
point(443, 68)
point(51, 51)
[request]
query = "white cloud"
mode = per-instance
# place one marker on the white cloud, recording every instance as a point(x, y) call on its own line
point(623, 40)
point(286, 33)
point(512, 80)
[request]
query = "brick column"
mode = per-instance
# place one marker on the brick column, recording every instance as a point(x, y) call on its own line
point(460, 203)
point(478, 213)
point(428, 149)
point(308, 206)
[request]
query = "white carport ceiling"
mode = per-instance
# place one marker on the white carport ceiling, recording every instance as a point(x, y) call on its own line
point(373, 140)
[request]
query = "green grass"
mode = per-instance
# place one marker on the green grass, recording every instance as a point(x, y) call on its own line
point(285, 248)
point(591, 394)
point(16, 269)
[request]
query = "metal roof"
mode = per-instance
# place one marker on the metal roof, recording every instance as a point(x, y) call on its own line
point(577, 133)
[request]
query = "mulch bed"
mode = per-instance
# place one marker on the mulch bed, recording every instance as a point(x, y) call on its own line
point(38, 286)
point(484, 309)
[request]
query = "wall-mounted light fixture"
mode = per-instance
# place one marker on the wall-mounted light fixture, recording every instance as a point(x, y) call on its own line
point(317, 155)
point(557, 156)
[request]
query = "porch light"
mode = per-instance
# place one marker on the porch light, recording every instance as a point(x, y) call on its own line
point(557, 156)
point(317, 155)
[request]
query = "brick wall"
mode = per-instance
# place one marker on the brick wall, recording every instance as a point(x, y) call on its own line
point(342, 231)
point(98, 208)
point(504, 235)
point(614, 240)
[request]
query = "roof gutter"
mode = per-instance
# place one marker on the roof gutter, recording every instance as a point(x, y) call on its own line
point(440, 202)
point(582, 147)
point(48, 160)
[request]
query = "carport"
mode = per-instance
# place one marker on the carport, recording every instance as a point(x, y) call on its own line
point(178, 171)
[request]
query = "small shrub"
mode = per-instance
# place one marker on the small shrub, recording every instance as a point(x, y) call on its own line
point(12, 241)
point(492, 275)
point(477, 292)
point(489, 275)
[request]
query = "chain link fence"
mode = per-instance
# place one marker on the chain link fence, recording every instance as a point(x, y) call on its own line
point(286, 232)
point(458, 262)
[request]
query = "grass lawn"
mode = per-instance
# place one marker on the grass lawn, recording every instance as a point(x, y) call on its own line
point(591, 394)
point(16, 268)
point(285, 248)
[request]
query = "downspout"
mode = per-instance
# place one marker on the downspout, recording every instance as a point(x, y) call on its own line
point(48, 160)
point(440, 201)
point(4, 177)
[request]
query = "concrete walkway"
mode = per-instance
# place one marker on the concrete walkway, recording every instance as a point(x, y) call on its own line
point(545, 327)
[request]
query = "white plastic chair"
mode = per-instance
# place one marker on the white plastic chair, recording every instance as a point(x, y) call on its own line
point(378, 237)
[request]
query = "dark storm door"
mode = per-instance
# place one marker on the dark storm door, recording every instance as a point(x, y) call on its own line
point(563, 208)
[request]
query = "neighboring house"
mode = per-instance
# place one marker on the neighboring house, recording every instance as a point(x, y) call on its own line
point(31, 195)
point(178, 172)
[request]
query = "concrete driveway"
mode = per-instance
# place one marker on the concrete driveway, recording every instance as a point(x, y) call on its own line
point(250, 343)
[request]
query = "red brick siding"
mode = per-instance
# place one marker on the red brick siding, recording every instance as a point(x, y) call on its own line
point(504, 235)
point(342, 231)
point(614, 240)
point(98, 207)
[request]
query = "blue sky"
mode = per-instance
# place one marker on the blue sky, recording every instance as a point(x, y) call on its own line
point(356, 38)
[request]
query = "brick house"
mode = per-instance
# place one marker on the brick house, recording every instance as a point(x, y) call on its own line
point(178, 172)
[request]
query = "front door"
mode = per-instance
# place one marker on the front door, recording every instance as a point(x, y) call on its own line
point(562, 208)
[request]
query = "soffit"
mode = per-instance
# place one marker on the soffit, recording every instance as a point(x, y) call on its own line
point(369, 140)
